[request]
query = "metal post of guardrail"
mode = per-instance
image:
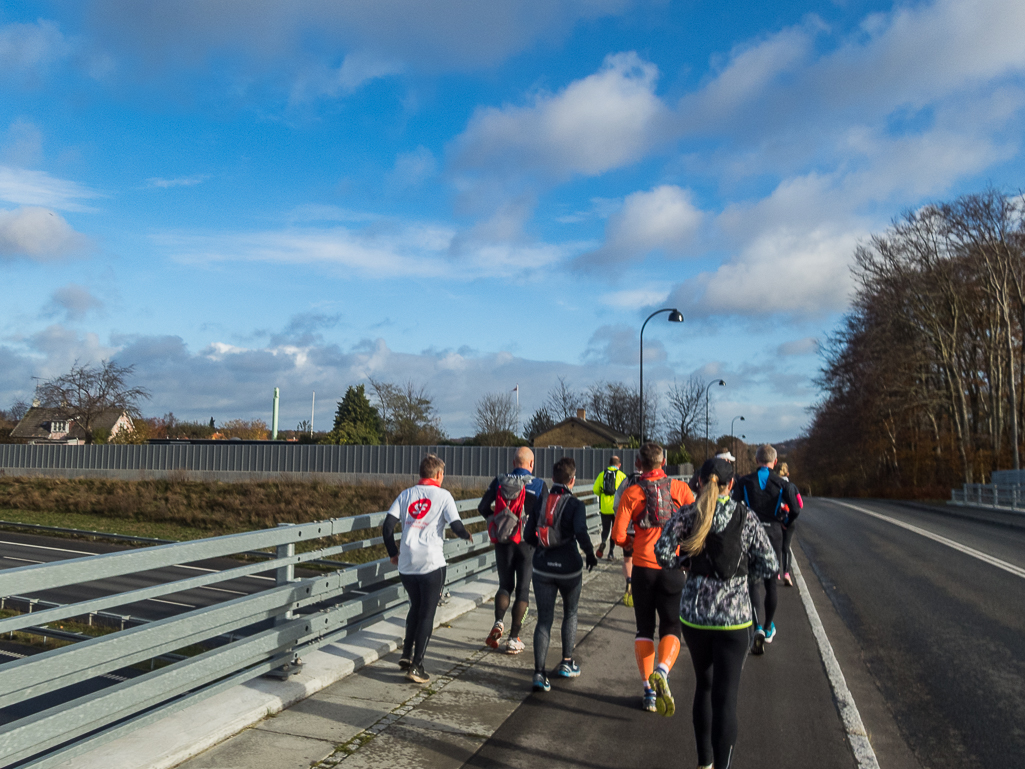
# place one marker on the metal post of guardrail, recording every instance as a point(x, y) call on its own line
point(284, 575)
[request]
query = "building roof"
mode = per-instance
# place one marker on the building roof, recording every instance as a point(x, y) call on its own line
point(35, 423)
point(605, 433)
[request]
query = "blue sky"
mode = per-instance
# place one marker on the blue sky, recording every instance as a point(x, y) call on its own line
point(234, 196)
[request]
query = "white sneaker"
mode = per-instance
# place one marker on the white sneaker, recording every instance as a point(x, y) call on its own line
point(514, 646)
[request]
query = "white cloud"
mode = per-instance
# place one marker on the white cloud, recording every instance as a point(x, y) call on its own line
point(37, 188)
point(74, 301)
point(620, 346)
point(606, 120)
point(807, 346)
point(37, 233)
point(382, 249)
point(181, 181)
point(30, 49)
point(412, 169)
point(635, 298)
point(663, 219)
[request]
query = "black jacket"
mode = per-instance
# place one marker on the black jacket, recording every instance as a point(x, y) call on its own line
point(565, 558)
point(765, 503)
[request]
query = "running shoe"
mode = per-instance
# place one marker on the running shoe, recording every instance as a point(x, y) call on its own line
point(600, 551)
point(514, 646)
point(610, 556)
point(788, 580)
point(567, 669)
point(417, 674)
point(664, 702)
point(650, 701)
point(405, 663)
point(541, 683)
point(445, 598)
point(770, 633)
point(628, 597)
point(758, 644)
point(495, 635)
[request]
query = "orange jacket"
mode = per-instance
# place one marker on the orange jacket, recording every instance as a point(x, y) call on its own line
point(631, 508)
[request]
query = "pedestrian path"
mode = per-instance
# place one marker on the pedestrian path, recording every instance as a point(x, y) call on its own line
point(376, 717)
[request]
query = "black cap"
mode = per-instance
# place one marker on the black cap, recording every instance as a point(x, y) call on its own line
point(719, 467)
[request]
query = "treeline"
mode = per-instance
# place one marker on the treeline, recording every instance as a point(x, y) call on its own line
point(923, 382)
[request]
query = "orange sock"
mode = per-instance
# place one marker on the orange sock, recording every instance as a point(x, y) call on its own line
point(668, 649)
point(644, 650)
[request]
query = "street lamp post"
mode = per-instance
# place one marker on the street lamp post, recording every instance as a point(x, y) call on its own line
point(733, 440)
point(675, 316)
point(721, 383)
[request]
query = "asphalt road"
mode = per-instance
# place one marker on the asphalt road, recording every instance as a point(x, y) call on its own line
point(940, 632)
point(786, 711)
point(25, 549)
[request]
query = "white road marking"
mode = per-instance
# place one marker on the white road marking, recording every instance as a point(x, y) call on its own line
point(23, 560)
point(202, 568)
point(172, 603)
point(853, 725)
point(984, 557)
point(46, 547)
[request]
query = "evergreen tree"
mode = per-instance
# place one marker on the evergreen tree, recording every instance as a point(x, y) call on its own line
point(356, 421)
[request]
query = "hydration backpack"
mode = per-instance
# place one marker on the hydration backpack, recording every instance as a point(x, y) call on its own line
point(505, 526)
point(549, 526)
point(658, 504)
point(723, 554)
point(608, 482)
point(766, 503)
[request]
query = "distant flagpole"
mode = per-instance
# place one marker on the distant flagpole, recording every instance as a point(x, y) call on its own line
point(516, 390)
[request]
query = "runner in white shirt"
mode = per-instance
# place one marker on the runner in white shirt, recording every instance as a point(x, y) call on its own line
point(423, 511)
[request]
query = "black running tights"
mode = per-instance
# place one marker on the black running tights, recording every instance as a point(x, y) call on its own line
point(788, 536)
point(514, 563)
point(606, 529)
point(657, 593)
point(424, 591)
point(546, 589)
point(718, 657)
point(764, 616)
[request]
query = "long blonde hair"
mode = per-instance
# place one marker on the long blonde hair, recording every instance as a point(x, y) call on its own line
point(705, 507)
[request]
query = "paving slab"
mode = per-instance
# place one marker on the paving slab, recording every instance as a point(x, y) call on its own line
point(265, 750)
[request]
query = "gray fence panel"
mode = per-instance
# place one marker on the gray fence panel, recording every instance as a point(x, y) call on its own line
point(268, 459)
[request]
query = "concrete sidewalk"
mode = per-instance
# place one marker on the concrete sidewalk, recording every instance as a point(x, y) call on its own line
point(376, 717)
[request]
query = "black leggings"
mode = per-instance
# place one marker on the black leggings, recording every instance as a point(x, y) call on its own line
point(546, 589)
point(657, 591)
point(514, 564)
point(606, 528)
point(788, 536)
point(424, 591)
point(718, 657)
point(764, 618)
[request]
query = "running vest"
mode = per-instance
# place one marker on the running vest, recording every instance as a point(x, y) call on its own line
point(658, 504)
point(723, 554)
point(765, 502)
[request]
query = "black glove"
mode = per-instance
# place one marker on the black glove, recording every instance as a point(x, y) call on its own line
point(592, 561)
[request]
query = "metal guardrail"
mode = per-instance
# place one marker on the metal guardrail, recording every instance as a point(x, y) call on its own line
point(266, 631)
point(1004, 497)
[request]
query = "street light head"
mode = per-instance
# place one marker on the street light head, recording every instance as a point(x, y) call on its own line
point(676, 316)
point(742, 419)
point(722, 382)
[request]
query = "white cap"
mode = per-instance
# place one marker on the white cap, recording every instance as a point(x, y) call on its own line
point(726, 455)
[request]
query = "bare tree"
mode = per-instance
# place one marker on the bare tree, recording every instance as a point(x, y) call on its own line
point(497, 419)
point(407, 412)
point(86, 392)
point(686, 409)
point(563, 401)
point(540, 422)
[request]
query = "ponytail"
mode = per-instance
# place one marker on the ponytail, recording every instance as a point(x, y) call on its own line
point(705, 506)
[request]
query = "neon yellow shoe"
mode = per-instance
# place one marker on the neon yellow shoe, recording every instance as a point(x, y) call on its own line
point(628, 597)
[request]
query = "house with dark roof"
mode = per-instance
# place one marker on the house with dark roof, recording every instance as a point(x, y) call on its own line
point(52, 425)
point(579, 431)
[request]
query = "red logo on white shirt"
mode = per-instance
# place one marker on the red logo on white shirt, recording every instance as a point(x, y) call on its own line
point(419, 508)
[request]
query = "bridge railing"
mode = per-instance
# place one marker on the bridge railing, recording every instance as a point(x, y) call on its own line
point(1003, 496)
point(59, 703)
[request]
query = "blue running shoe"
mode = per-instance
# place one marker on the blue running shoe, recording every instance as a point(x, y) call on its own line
point(567, 669)
point(770, 633)
point(541, 683)
point(649, 701)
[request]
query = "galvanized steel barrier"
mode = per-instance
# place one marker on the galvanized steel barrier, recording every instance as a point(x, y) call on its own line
point(228, 459)
point(266, 631)
point(1005, 497)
